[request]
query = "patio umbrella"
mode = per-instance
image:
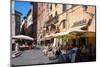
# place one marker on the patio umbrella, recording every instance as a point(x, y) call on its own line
point(22, 37)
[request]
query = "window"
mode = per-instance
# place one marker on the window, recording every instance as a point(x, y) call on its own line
point(55, 20)
point(64, 7)
point(50, 17)
point(53, 26)
point(74, 6)
point(56, 14)
point(68, 7)
point(63, 23)
point(85, 7)
point(50, 6)
point(47, 29)
point(55, 4)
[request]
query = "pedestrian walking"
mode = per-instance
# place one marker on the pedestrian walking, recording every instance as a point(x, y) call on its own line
point(45, 50)
point(78, 55)
point(58, 52)
point(73, 53)
point(17, 47)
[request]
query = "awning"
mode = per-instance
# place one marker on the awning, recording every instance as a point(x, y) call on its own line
point(22, 37)
point(89, 34)
point(69, 33)
point(60, 35)
point(64, 35)
point(82, 33)
point(51, 36)
point(72, 33)
point(45, 38)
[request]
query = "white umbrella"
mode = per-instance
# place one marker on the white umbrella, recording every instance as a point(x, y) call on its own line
point(22, 37)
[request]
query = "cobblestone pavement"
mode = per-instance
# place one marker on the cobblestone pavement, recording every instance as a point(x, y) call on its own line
point(34, 56)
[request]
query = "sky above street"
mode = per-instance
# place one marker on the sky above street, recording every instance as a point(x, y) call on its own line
point(23, 7)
